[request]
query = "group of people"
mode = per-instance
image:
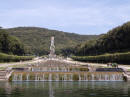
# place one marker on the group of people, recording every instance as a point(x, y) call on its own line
point(112, 65)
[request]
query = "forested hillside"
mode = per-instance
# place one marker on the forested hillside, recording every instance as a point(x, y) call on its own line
point(10, 44)
point(116, 40)
point(11, 48)
point(37, 40)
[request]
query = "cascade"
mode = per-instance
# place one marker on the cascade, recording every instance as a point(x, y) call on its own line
point(79, 77)
point(56, 76)
point(43, 77)
point(27, 77)
point(71, 77)
point(65, 77)
point(92, 76)
point(50, 77)
point(35, 77)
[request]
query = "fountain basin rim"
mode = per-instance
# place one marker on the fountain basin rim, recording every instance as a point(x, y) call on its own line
point(64, 72)
point(69, 81)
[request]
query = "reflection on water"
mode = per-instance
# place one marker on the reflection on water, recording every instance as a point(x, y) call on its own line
point(65, 89)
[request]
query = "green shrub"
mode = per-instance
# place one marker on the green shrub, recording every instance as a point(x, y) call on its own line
point(116, 57)
point(14, 58)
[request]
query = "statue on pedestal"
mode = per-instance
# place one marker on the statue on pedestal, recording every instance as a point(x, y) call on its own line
point(52, 48)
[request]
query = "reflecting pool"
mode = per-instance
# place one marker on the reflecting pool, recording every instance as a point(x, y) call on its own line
point(65, 89)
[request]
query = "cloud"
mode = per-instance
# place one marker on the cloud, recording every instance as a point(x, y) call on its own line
point(83, 17)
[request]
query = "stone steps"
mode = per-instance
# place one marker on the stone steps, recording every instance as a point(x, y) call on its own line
point(127, 74)
point(3, 75)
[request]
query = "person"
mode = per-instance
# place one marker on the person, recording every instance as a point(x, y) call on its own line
point(109, 64)
point(115, 65)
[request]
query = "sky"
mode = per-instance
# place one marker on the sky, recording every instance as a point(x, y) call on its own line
point(75, 16)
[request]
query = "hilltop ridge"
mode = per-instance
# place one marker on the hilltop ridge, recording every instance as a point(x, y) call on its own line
point(37, 40)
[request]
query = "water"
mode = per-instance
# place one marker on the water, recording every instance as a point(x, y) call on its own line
point(67, 76)
point(65, 89)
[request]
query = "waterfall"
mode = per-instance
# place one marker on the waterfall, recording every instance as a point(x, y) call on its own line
point(57, 77)
point(67, 69)
point(85, 77)
point(92, 76)
point(68, 77)
point(36, 77)
point(57, 69)
point(27, 77)
point(79, 77)
point(105, 77)
point(50, 77)
point(120, 77)
point(43, 77)
point(32, 69)
point(65, 77)
point(15, 77)
point(21, 77)
point(100, 77)
point(71, 77)
point(113, 77)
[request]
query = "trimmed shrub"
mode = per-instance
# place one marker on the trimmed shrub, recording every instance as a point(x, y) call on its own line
point(116, 57)
point(14, 58)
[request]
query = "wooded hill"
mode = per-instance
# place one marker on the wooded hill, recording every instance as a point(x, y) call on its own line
point(37, 40)
point(111, 47)
point(10, 44)
point(116, 40)
point(11, 48)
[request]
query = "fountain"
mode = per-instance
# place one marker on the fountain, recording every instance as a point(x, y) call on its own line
point(67, 76)
point(52, 48)
point(54, 69)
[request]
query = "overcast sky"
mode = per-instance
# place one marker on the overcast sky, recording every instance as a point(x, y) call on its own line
point(78, 16)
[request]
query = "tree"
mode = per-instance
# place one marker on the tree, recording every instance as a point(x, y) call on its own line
point(10, 44)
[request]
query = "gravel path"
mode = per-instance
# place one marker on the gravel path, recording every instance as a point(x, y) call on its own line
point(4, 65)
point(125, 67)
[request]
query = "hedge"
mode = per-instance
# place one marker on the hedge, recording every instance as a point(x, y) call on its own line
point(116, 57)
point(14, 58)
